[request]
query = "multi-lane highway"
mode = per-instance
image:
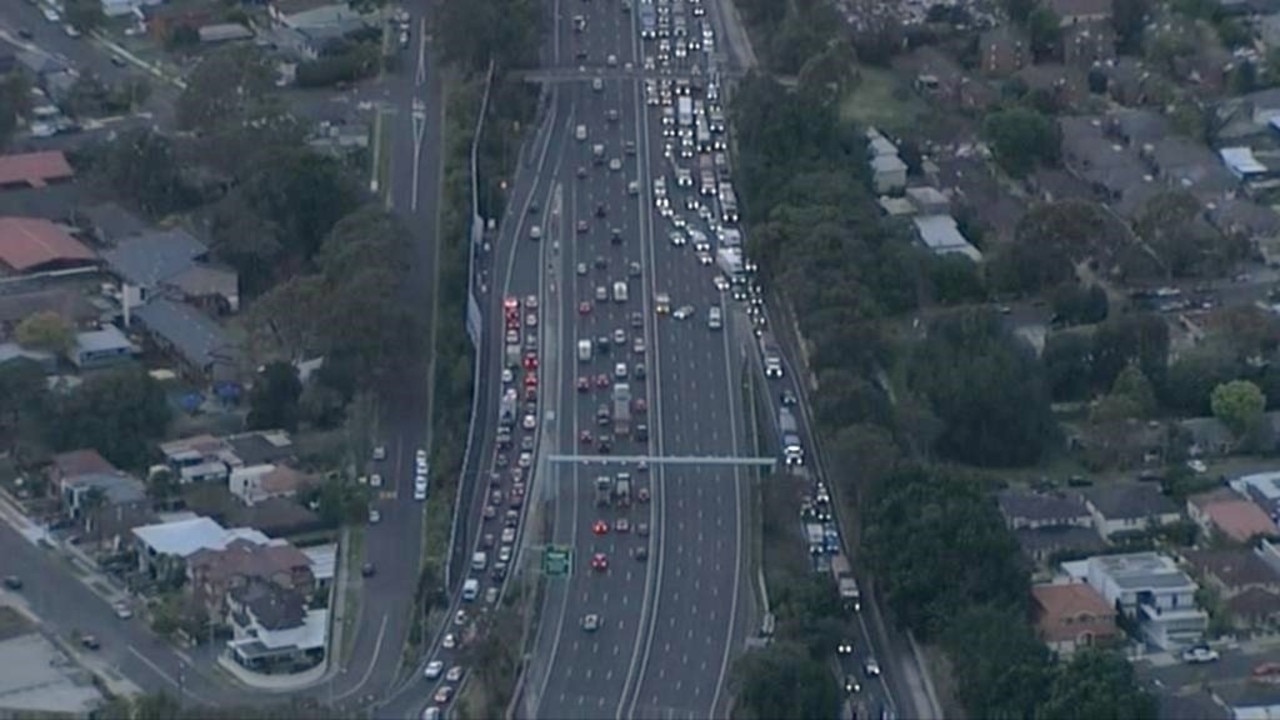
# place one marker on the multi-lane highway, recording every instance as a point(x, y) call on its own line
point(667, 623)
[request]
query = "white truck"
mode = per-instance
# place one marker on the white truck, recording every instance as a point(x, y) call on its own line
point(622, 409)
point(622, 490)
point(604, 491)
point(585, 349)
point(684, 111)
point(845, 582)
point(789, 438)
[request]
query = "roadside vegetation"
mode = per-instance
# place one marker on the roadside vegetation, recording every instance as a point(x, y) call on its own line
point(162, 706)
point(914, 414)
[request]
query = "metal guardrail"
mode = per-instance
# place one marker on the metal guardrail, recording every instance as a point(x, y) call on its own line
point(475, 326)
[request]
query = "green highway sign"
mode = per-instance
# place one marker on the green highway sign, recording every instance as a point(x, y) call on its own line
point(556, 560)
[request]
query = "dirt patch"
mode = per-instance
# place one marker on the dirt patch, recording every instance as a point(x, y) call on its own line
point(13, 624)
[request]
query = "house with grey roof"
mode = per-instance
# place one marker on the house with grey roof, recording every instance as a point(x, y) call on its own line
point(1184, 163)
point(199, 344)
point(108, 223)
point(1115, 173)
point(1136, 127)
point(161, 262)
point(13, 352)
point(1129, 508)
point(1048, 523)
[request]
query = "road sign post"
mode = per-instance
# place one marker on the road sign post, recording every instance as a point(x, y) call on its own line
point(556, 560)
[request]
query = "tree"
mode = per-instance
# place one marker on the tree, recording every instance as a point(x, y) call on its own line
point(1193, 376)
point(162, 486)
point(1142, 338)
point(24, 401)
point(93, 503)
point(1021, 139)
point(1002, 668)
point(1129, 19)
point(45, 331)
point(83, 15)
point(15, 104)
point(1131, 397)
point(1068, 365)
point(1239, 404)
point(1045, 28)
point(142, 168)
point(1171, 224)
point(1097, 684)
point(1076, 305)
point(505, 31)
point(232, 86)
point(783, 681)
point(273, 401)
point(922, 523)
point(986, 387)
point(119, 413)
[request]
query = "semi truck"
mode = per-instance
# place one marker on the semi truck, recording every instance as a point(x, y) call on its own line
point(813, 533)
point(604, 491)
point(789, 437)
point(622, 409)
point(846, 583)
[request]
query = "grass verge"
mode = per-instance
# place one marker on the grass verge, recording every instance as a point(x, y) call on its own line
point(349, 595)
point(381, 156)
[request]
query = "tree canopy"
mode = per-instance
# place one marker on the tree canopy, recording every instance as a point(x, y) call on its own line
point(1021, 138)
point(119, 412)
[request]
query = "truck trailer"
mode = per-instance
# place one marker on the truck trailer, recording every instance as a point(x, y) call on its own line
point(789, 438)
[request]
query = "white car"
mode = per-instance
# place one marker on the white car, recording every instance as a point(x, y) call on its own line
point(620, 371)
point(433, 669)
point(450, 642)
point(460, 617)
point(375, 480)
point(454, 674)
point(122, 610)
point(51, 15)
point(421, 456)
point(508, 535)
point(721, 283)
point(1200, 654)
point(638, 346)
point(508, 376)
point(531, 320)
point(871, 667)
point(615, 164)
point(380, 453)
point(705, 258)
point(677, 238)
point(375, 517)
point(530, 422)
point(71, 30)
point(535, 233)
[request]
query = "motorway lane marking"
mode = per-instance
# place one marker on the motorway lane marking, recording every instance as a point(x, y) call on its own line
point(180, 684)
point(373, 661)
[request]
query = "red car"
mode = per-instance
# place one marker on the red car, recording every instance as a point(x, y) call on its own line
point(530, 361)
point(599, 562)
point(510, 303)
point(531, 380)
point(642, 494)
point(513, 322)
point(585, 437)
point(602, 381)
point(600, 527)
point(584, 383)
point(584, 308)
point(641, 406)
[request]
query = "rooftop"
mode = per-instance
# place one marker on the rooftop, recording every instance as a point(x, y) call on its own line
point(35, 169)
point(1265, 484)
point(941, 235)
point(81, 462)
point(106, 339)
point(1034, 506)
point(151, 257)
point(324, 560)
point(72, 306)
point(28, 244)
point(1058, 605)
point(244, 558)
point(1240, 519)
point(261, 447)
point(200, 340)
point(118, 488)
point(1142, 571)
point(112, 222)
point(183, 538)
point(1129, 501)
point(274, 607)
point(1235, 568)
point(1053, 538)
point(39, 678)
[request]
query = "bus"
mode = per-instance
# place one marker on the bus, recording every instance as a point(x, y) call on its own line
point(846, 583)
point(703, 135)
point(648, 21)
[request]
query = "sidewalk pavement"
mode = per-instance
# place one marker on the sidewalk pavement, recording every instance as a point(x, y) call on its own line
point(155, 70)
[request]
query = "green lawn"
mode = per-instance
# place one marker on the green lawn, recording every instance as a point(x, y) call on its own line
point(882, 99)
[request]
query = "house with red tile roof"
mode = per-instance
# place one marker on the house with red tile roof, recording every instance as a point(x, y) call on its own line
point(29, 245)
point(1227, 514)
point(34, 170)
point(1072, 616)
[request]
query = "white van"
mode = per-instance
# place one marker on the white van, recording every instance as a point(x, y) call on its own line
point(619, 292)
point(584, 350)
point(581, 132)
point(479, 561)
point(470, 590)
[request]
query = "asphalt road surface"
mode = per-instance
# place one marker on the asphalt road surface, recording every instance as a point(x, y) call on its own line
point(668, 625)
point(414, 132)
